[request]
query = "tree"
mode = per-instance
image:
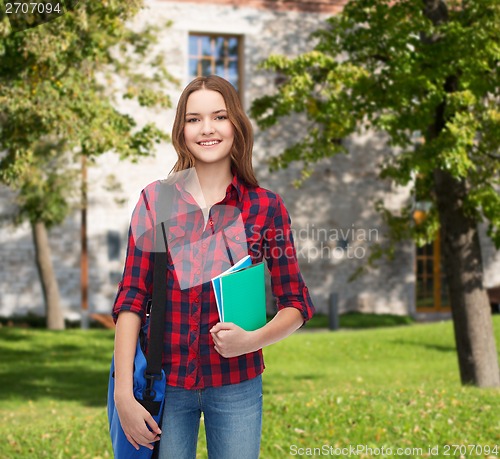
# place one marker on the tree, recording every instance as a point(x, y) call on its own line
point(59, 102)
point(411, 69)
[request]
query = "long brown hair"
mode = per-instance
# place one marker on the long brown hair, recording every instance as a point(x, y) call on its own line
point(241, 153)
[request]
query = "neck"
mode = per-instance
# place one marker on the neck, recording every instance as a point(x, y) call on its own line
point(214, 181)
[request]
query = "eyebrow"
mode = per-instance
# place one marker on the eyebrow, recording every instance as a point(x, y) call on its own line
point(213, 113)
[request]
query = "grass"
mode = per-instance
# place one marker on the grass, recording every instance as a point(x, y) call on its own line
point(346, 320)
point(358, 320)
point(385, 388)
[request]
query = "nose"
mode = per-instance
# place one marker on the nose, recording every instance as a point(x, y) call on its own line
point(207, 127)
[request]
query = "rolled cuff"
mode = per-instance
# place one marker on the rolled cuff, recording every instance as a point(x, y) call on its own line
point(301, 302)
point(132, 300)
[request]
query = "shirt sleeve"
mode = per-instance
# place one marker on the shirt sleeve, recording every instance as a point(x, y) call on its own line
point(135, 288)
point(287, 283)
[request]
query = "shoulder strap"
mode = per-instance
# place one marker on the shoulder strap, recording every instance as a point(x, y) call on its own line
point(163, 206)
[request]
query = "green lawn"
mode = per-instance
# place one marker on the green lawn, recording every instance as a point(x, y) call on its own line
point(360, 320)
point(382, 388)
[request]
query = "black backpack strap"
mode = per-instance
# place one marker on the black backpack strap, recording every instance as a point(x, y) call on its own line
point(163, 207)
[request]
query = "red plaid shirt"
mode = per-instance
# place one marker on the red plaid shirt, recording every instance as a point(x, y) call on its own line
point(249, 220)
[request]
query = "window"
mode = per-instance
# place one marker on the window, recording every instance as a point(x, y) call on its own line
point(431, 291)
point(114, 250)
point(216, 55)
point(431, 288)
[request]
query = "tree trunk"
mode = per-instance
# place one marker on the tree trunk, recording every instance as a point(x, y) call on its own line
point(55, 318)
point(474, 337)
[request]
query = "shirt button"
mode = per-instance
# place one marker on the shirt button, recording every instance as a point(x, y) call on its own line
point(237, 238)
point(211, 223)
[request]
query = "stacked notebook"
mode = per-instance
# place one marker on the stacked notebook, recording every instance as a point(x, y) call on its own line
point(240, 294)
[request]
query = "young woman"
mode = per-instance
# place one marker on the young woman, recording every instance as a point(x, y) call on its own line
point(212, 367)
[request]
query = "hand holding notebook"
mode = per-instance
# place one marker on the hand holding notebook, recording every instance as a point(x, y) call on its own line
point(240, 294)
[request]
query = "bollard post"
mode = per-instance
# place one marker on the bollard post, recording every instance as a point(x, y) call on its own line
point(333, 312)
point(85, 322)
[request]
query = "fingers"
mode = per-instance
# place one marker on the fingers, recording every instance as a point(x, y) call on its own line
point(149, 433)
point(215, 328)
point(230, 340)
point(143, 439)
point(141, 429)
point(153, 426)
point(216, 339)
point(139, 441)
point(220, 344)
point(217, 342)
point(132, 441)
point(222, 326)
point(221, 352)
point(217, 332)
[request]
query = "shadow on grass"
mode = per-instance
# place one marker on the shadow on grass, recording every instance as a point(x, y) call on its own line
point(66, 366)
point(430, 346)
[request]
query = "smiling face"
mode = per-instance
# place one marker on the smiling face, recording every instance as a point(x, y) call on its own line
point(208, 133)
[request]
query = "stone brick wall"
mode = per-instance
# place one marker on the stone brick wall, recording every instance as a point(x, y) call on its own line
point(310, 6)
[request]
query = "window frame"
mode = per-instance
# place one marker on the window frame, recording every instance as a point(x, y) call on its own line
point(240, 57)
point(436, 274)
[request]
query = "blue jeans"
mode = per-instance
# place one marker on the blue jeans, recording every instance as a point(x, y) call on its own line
point(232, 416)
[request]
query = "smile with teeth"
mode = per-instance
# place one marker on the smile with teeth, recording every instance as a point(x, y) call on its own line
point(208, 143)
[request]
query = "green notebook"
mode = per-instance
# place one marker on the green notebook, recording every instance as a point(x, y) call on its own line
point(243, 297)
